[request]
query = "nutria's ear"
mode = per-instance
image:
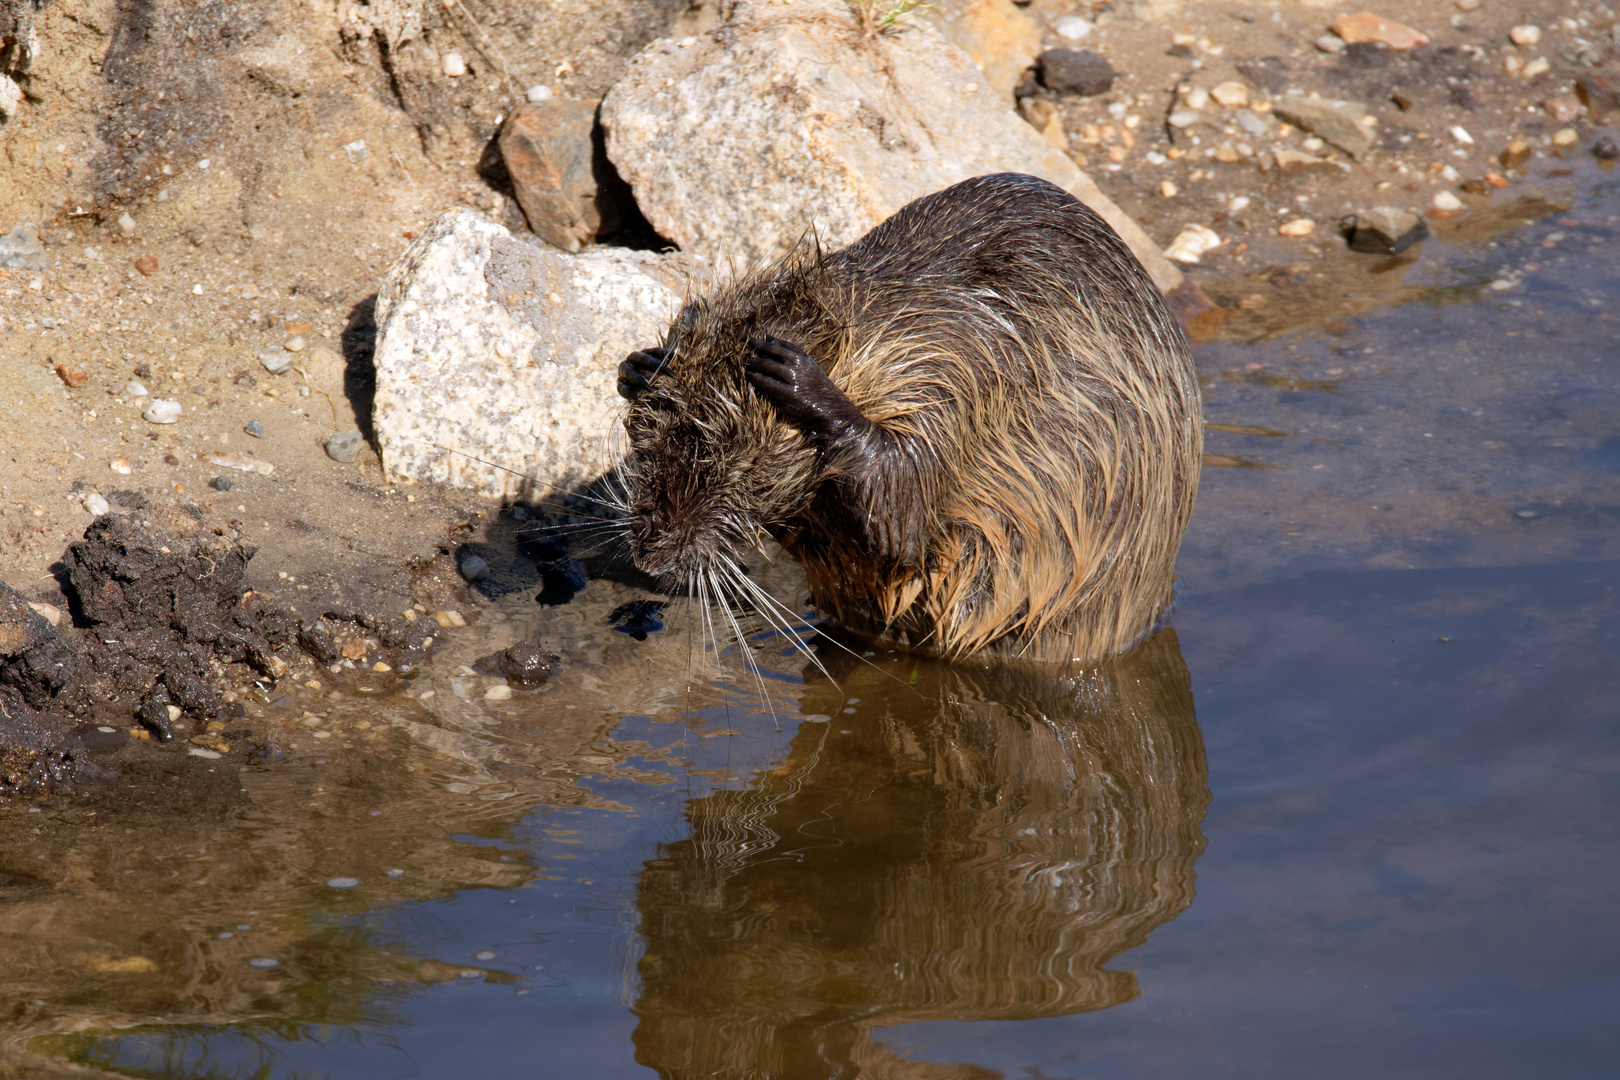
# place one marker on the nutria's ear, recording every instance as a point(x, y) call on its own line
point(637, 372)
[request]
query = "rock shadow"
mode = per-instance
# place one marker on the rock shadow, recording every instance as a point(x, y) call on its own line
point(359, 344)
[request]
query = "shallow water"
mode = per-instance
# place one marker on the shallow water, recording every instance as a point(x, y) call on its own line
point(1356, 812)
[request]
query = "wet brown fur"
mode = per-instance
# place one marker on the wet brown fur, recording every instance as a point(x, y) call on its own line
point(1042, 426)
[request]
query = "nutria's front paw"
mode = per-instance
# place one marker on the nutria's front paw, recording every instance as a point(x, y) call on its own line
point(791, 380)
point(637, 371)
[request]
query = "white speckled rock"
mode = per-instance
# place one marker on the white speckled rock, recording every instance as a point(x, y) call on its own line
point(789, 117)
point(492, 348)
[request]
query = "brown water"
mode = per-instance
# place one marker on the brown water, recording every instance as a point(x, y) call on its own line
point(1355, 812)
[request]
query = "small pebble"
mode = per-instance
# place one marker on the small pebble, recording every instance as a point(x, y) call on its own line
point(134, 389)
point(255, 429)
point(1526, 514)
point(1537, 67)
point(1566, 137)
point(498, 692)
point(1330, 43)
point(484, 955)
point(1183, 118)
point(344, 446)
point(1197, 98)
point(1445, 200)
point(219, 483)
point(147, 265)
point(1606, 149)
point(95, 504)
point(121, 466)
point(1526, 35)
point(162, 411)
point(1073, 27)
point(356, 151)
point(1231, 94)
point(275, 359)
point(343, 883)
point(539, 93)
point(126, 224)
point(396, 872)
point(295, 343)
point(1192, 242)
point(1297, 227)
point(455, 65)
point(473, 568)
point(1168, 188)
point(263, 963)
point(225, 935)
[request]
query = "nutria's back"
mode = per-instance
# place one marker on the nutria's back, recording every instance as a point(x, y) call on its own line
point(977, 427)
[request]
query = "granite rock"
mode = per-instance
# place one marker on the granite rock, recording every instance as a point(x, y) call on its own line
point(497, 358)
point(789, 118)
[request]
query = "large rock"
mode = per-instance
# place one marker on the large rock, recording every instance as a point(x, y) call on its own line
point(569, 193)
point(790, 117)
point(496, 358)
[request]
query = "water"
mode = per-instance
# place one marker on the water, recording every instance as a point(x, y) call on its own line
point(1355, 812)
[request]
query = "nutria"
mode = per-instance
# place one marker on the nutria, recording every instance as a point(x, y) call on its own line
point(977, 428)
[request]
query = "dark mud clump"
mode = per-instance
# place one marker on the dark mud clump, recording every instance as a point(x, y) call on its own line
point(168, 638)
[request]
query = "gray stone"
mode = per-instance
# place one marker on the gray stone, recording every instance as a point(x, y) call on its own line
point(1339, 122)
point(255, 429)
point(1075, 71)
point(20, 249)
point(344, 446)
point(275, 359)
point(497, 359)
point(473, 568)
point(1253, 123)
point(219, 483)
point(1385, 230)
point(788, 118)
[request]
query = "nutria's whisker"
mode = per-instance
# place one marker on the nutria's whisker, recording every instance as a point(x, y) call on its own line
point(574, 492)
point(743, 649)
point(777, 615)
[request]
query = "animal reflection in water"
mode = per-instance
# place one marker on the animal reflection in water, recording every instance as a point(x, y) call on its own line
point(974, 850)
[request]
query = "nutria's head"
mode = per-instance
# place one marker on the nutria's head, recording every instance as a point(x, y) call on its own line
point(710, 470)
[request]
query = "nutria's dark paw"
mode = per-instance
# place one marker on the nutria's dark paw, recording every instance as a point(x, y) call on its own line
point(791, 380)
point(637, 371)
